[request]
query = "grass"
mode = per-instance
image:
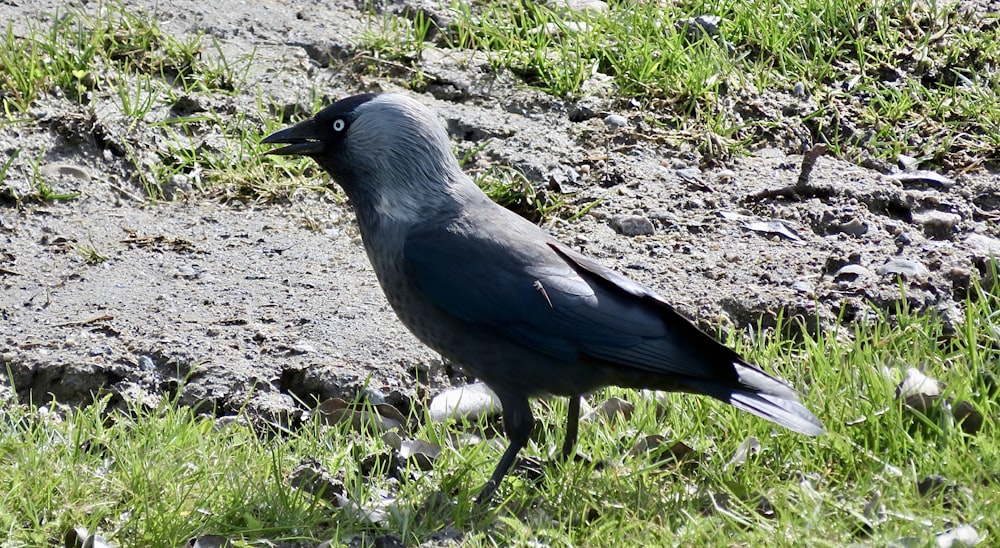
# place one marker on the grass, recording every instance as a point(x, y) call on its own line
point(118, 55)
point(882, 78)
point(163, 475)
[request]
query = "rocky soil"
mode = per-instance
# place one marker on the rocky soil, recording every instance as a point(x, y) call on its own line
point(266, 305)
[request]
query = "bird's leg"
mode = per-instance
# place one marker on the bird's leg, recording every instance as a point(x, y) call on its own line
point(517, 423)
point(572, 427)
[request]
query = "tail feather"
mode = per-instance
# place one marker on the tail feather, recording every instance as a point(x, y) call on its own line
point(767, 397)
point(790, 414)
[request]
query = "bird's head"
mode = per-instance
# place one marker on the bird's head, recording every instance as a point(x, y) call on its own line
point(389, 153)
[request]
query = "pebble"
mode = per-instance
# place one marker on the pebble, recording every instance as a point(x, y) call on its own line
point(725, 175)
point(374, 396)
point(903, 267)
point(580, 113)
point(689, 173)
point(68, 171)
point(560, 176)
point(915, 383)
point(907, 163)
point(962, 536)
point(939, 225)
point(304, 348)
point(615, 120)
point(99, 350)
point(696, 27)
point(802, 286)
point(610, 408)
point(175, 185)
point(851, 272)
point(632, 225)
point(465, 402)
point(909, 178)
point(982, 246)
point(146, 363)
point(854, 227)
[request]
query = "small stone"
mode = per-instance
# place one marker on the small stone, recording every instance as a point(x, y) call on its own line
point(916, 383)
point(799, 90)
point(373, 396)
point(65, 171)
point(176, 185)
point(465, 402)
point(99, 350)
point(689, 173)
point(802, 286)
point(959, 537)
point(921, 177)
point(632, 225)
point(186, 105)
point(695, 28)
point(851, 272)
point(610, 408)
point(302, 348)
point(907, 163)
point(726, 175)
point(854, 227)
point(939, 225)
point(581, 113)
point(903, 267)
point(982, 246)
point(968, 417)
point(146, 363)
point(615, 120)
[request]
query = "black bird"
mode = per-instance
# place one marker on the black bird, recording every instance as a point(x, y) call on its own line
point(497, 294)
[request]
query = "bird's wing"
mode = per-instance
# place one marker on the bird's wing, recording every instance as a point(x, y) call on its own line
point(532, 290)
point(704, 364)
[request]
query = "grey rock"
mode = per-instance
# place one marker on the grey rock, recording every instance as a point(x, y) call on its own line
point(851, 272)
point(936, 224)
point(176, 185)
point(632, 225)
point(695, 28)
point(58, 171)
point(982, 246)
point(959, 537)
point(907, 163)
point(689, 173)
point(903, 267)
point(854, 227)
point(615, 120)
point(921, 178)
point(467, 402)
point(802, 286)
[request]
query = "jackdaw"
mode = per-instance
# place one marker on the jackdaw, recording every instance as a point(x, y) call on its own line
point(497, 294)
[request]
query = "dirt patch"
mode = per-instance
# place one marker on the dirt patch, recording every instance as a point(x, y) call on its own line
point(233, 305)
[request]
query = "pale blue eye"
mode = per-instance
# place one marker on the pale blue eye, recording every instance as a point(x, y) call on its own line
point(338, 125)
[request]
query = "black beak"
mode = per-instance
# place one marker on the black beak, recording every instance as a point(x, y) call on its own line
point(303, 139)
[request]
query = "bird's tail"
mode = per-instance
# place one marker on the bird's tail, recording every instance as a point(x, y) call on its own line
point(765, 396)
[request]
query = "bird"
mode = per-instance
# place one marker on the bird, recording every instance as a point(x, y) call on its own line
point(497, 294)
